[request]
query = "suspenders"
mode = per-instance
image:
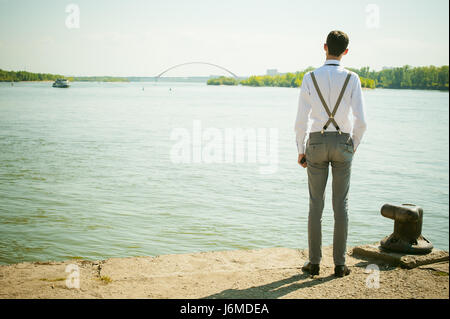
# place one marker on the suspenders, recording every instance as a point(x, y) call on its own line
point(330, 114)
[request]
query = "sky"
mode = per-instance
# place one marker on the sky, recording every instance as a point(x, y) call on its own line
point(145, 37)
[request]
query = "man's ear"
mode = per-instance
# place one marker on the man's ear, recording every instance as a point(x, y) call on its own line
point(325, 47)
point(345, 52)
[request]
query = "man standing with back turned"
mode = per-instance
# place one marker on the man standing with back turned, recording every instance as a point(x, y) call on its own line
point(331, 102)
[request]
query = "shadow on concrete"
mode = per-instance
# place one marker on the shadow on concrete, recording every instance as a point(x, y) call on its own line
point(272, 290)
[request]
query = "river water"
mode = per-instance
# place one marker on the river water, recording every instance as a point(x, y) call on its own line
point(92, 171)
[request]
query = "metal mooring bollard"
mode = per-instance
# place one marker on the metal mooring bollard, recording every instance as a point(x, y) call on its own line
point(407, 236)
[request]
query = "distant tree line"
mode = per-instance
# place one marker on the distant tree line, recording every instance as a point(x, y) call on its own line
point(223, 80)
point(292, 80)
point(12, 76)
point(406, 77)
point(282, 80)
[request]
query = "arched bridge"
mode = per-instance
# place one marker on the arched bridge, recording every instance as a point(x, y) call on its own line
point(182, 64)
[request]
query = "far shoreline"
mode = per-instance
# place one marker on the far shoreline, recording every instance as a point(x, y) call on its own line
point(178, 81)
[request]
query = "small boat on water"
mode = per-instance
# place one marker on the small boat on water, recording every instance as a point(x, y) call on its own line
point(61, 83)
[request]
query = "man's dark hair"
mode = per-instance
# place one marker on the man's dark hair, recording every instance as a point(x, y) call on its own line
point(337, 42)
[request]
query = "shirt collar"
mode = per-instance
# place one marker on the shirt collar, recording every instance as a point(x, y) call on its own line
point(333, 62)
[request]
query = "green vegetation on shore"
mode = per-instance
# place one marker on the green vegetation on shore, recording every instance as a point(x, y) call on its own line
point(223, 80)
point(13, 76)
point(285, 80)
point(406, 77)
point(292, 80)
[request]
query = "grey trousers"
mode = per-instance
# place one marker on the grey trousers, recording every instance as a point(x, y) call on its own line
point(321, 150)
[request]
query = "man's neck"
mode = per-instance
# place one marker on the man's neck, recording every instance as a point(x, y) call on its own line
point(333, 57)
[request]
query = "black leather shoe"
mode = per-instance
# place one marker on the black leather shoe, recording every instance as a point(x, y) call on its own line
point(341, 271)
point(313, 269)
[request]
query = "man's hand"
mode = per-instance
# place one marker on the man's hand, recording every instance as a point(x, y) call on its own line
point(300, 156)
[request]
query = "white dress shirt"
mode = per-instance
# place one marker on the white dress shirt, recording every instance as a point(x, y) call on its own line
point(311, 112)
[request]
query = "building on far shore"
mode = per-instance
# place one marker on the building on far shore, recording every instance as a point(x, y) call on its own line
point(272, 72)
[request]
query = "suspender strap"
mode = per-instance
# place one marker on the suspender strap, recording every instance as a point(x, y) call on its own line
point(331, 114)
